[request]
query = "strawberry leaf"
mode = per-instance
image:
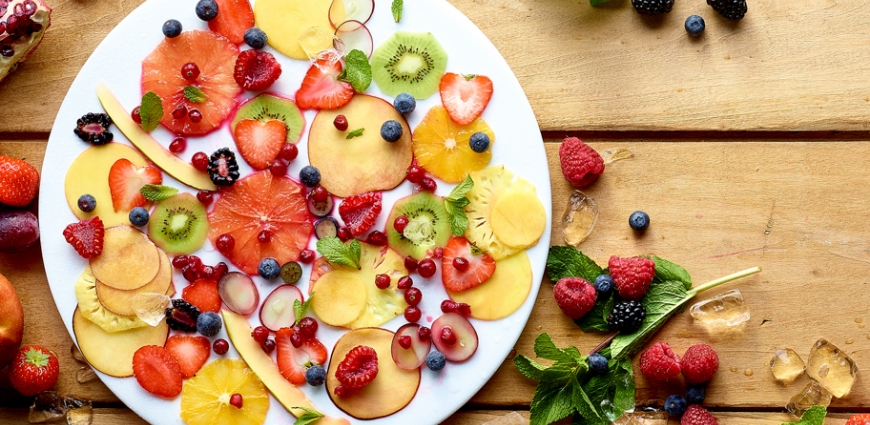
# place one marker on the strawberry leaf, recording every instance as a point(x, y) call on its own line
point(357, 70)
point(157, 193)
point(151, 111)
point(195, 95)
point(397, 10)
point(355, 133)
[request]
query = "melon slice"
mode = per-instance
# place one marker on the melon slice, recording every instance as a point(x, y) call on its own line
point(112, 353)
point(503, 293)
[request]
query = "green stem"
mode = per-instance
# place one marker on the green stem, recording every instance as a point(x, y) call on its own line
point(724, 279)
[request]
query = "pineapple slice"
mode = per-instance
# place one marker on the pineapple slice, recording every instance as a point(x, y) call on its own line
point(441, 146)
point(205, 398)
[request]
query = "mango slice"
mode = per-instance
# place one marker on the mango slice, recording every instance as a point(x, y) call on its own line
point(340, 299)
point(503, 293)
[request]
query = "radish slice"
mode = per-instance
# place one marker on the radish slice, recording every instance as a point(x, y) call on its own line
point(414, 356)
point(352, 10)
point(353, 35)
point(239, 293)
point(277, 311)
point(464, 338)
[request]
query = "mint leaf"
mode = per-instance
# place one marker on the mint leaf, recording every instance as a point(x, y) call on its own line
point(299, 307)
point(813, 416)
point(337, 252)
point(310, 415)
point(529, 367)
point(566, 261)
point(596, 319)
point(151, 111)
point(616, 386)
point(355, 250)
point(545, 348)
point(584, 405)
point(157, 193)
point(397, 10)
point(455, 204)
point(195, 95)
point(357, 70)
point(666, 270)
point(355, 133)
point(458, 193)
point(597, 2)
point(662, 301)
point(552, 401)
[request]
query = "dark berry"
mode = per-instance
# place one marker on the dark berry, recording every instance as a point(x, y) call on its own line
point(171, 28)
point(319, 194)
point(177, 145)
point(400, 223)
point(206, 9)
point(278, 168)
point(448, 306)
point(405, 282)
point(391, 131)
point(653, 7)
point(598, 364)
point(260, 334)
point(179, 261)
point(194, 261)
point(190, 273)
point(223, 168)
point(413, 296)
point(695, 394)
point(182, 316)
point(291, 272)
point(209, 324)
point(87, 202)
point(306, 256)
point(382, 281)
point(340, 123)
point(377, 238)
point(675, 405)
point(627, 316)
point(413, 313)
point(269, 268)
point(296, 339)
point(220, 269)
point(225, 243)
point(138, 216)
point(428, 184)
point(204, 196)
point(136, 115)
point(189, 71)
point(639, 221)
point(435, 360)
point(424, 333)
point(289, 152)
point(308, 327)
point(695, 25)
point(309, 176)
point(426, 268)
point(603, 283)
point(220, 346)
point(315, 375)
point(195, 116)
point(404, 103)
point(416, 174)
point(479, 142)
point(200, 161)
point(255, 38)
point(734, 10)
point(344, 234)
point(94, 128)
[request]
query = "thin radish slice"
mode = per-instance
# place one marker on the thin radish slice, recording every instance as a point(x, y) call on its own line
point(353, 35)
point(415, 355)
point(277, 311)
point(350, 10)
point(239, 293)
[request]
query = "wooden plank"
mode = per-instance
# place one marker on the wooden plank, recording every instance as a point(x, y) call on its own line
point(786, 66)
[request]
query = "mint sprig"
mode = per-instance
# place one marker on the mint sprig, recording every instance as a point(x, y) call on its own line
point(195, 94)
point(357, 70)
point(455, 203)
point(396, 8)
point(310, 415)
point(336, 252)
point(813, 416)
point(299, 307)
point(355, 133)
point(157, 192)
point(150, 111)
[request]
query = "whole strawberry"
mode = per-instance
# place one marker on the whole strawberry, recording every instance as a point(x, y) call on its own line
point(632, 276)
point(34, 370)
point(697, 415)
point(18, 182)
point(862, 419)
point(700, 363)
point(581, 165)
point(659, 362)
point(575, 296)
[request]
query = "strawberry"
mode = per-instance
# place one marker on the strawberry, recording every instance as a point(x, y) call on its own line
point(34, 370)
point(256, 70)
point(862, 419)
point(157, 371)
point(260, 142)
point(86, 236)
point(203, 294)
point(321, 89)
point(125, 181)
point(465, 96)
point(18, 182)
point(294, 362)
point(191, 352)
point(359, 212)
point(233, 19)
point(463, 266)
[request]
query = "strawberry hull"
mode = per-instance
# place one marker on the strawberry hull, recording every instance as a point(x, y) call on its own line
point(18, 41)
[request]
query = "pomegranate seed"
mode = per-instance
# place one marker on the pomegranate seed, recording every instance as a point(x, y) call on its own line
point(194, 261)
point(428, 184)
point(179, 261)
point(306, 256)
point(190, 273)
point(260, 334)
point(448, 306)
point(463, 309)
point(400, 223)
point(308, 327)
point(447, 336)
point(340, 123)
point(438, 252)
point(413, 296)
point(207, 272)
point(220, 269)
point(269, 345)
point(296, 339)
point(289, 152)
point(460, 263)
point(405, 282)
point(265, 236)
point(382, 281)
point(413, 313)
point(319, 194)
point(204, 196)
point(179, 112)
point(178, 144)
point(344, 234)
point(424, 333)
point(405, 342)
point(411, 264)
point(278, 168)
point(221, 346)
point(236, 400)
point(426, 268)
point(416, 174)
point(190, 71)
point(196, 116)
point(225, 243)
point(377, 238)
point(200, 161)
point(136, 116)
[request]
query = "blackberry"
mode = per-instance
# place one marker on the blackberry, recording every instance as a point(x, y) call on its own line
point(223, 168)
point(391, 131)
point(627, 316)
point(404, 103)
point(479, 142)
point(255, 38)
point(734, 10)
point(172, 28)
point(653, 7)
point(695, 394)
point(598, 364)
point(675, 405)
point(639, 221)
point(182, 316)
point(603, 283)
point(94, 128)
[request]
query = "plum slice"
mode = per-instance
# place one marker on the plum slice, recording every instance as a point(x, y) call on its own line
point(277, 310)
point(454, 336)
point(414, 355)
point(239, 293)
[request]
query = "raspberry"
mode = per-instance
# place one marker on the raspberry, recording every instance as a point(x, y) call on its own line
point(632, 276)
point(862, 419)
point(581, 165)
point(86, 237)
point(697, 415)
point(256, 70)
point(627, 316)
point(659, 362)
point(575, 296)
point(358, 369)
point(653, 7)
point(729, 9)
point(700, 363)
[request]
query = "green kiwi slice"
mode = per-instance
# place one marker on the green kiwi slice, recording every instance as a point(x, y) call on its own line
point(178, 224)
point(267, 107)
point(409, 62)
point(428, 226)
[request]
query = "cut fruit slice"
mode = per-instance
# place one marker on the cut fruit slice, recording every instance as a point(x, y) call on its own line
point(442, 148)
point(340, 299)
point(391, 390)
point(477, 266)
point(428, 226)
point(205, 398)
point(518, 218)
point(409, 62)
point(233, 19)
point(259, 142)
point(121, 302)
point(352, 35)
point(112, 353)
point(503, 293)
point(359, 11)
point(204, 295)
point(190, 351)
point(239, 293)
point(277, 310)
point(362, 164)
point(267, 107)
point(126, 181)
point(178, 224)
point(129, 260)
point(93, 311)
point(462, 344)
point(285, 21)
point(294, 362)
point(216, 57)
point(465, 96)
point(359, 212)
point(321, 88)
point(414, 355)
point(262, 202)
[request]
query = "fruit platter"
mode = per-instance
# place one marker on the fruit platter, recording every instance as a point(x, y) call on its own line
point(320, 210)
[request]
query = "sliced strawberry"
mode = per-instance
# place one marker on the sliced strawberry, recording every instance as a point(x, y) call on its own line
point(465, 96)
point(203, 294)
point(321, 88)
point(294, 362)
point(86, 236)
point(157, 371)
point(360, 212)
point(233, 19)
point(480, 266)
point(256, 70)
point(260, 142)
point(191, 352)
point(125, 181)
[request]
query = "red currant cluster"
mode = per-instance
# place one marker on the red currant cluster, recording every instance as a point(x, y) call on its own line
point(193, 269)
point(417, 175)
point(286, 155)
point(304, 330)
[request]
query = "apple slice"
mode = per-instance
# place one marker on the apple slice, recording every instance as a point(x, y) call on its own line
point(454, 336)
point(359, 11)
point(277, 310)
point(239, 293)
point(414, 355)
point(112, 353)
point(353, 35)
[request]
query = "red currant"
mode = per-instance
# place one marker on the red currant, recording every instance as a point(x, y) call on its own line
point(308, 327)
point(405, 341)
point(306, 256)
point(179, 261)
point(278, 168)
point(428, 184)
point(411, 264)
point(207, 272)
point(424, 333)
point(296, 339)
point(268, 345)
point(319, 194)
point(260, 334)
point(382, 281)
point(190, 71)
point(377, 238)
point(448, 306)
point(400, 223)
point(413, 296)
point(460, 263)
point(136, 116)
point(289, 152)
point(236, 401)
point(265, 236)
point(220, 269)
point(405, 282)
point(205, 197)
point(447, 336)
point(426, 268)
point(195, 116)
point(416, 174)
point(225, 243)
point(340, 123)
point(179, 112)
point(178, 144)
point(221, 346)
point(413, 313)
point(200, 161)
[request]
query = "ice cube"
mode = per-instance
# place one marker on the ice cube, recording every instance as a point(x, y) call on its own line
point(512, 418)
point(78, 412)
point(579, 219)
point(85, 374)
point(315, 40)
point(151, 307)
point(631, 419)
point(832, 368)
point(612, 155)
point(813, 394)
point(786, 366)
point(722, 313)
point(76, 354)
point(46, 407)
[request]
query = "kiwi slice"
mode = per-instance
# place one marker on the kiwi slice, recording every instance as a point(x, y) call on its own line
point(267, 107)
point(409, 62)
point(428, 226)
point(178, 224)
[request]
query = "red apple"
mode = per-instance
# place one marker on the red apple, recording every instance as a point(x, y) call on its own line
point(11, 322)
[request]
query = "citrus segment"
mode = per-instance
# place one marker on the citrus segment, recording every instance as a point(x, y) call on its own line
point(518, 218)
point(205, 398)
point(286, 20)
point(503, 293)
point(441, 146)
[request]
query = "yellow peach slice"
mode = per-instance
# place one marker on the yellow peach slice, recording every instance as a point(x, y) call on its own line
point(129, 260)
point(122, 302)
point(112, 353)
point(518, 218)
point(503, 293)
point(287, 20)
point(340, 298)
point(91, 309)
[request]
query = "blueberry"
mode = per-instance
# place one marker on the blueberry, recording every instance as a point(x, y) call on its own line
point(208, 323)
point(639, 221)
point(404, 103)
point(695, 25)
point(269, 268)
point(310, 176)
point(171, 28)
point(315, 375)
point(391, 131)
point(139, 216)
point(87, 202)
point(206, 9)
point(435, 361)
point(479, 142)
point(603, 283)
point(695, 394)
point(675, 405)
point(255, 38)
point(598, 363)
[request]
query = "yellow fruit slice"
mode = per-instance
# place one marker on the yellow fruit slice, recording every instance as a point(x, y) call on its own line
point(340, 299)
point(129, 259)
point(122, 302)
point(518, 218)
point(503, 293)
point(205, 398)
point(91, 309)
point(287, 20)
point(112, 353)
point(441, 146)
point(489, 184)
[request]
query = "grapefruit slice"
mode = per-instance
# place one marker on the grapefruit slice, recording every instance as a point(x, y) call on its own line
point(257, 203)
point(215, 56)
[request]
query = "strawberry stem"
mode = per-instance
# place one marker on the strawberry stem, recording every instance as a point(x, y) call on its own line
point(722, 280)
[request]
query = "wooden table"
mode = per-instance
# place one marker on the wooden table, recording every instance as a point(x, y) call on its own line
point(749, 149)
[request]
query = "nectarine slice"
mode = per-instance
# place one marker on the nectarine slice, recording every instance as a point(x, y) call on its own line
point(121, 302)
point(112, 353)
point(91, 309)
point(503, 293)
point(129, 260)
point(340, 298)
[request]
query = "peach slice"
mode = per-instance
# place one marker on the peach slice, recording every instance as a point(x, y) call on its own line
point(454, 336)
point(112, 353)
point(503, 293)
point(340, 298)
point(391, 390)
point(121, 302)
point(129, 260)
point(518, 218)
point(91, 309)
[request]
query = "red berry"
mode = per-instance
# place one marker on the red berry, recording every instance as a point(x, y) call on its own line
point(225, 243)
point(268, 345)
point(405, 341)
point(424, 333)
point(194, 261)
point(236, 401)
point(581, 165)
point(306, 256)
point(861, 419)
point(178, 144)
point(416, 174)
point(575, 296)
point(308, 327)
point(659, 362)
point(265, 236)
point(319, 194)
point(405, 282)
point(221, 346)
point(426, 268)
point(344, 234)
point(413, 296)
point(358, 369)
point(179, 261)
point(360, 212)
point(698, 415)
point(377, 238)
point(463, 309)
point(447, 336)
point(205, 197)
point(413, 313)
point(289, 152)
point(220, 269)
point(296, 339)
point(460, 263)
point(632, 276)
point(340, 123)
point(438, 252)
point(382, 281)
point(179, 112)
point(411, 264)
point(200, 161)
point(428, 184)
point(260, 334)
point(195, 116)
point(699, 364)
point(256, 70)
point(448, 306)
point(278, 168)
point(400, 223)
point(190, 273)
point(207, 272)
point(136, 116)
point(189, 71)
